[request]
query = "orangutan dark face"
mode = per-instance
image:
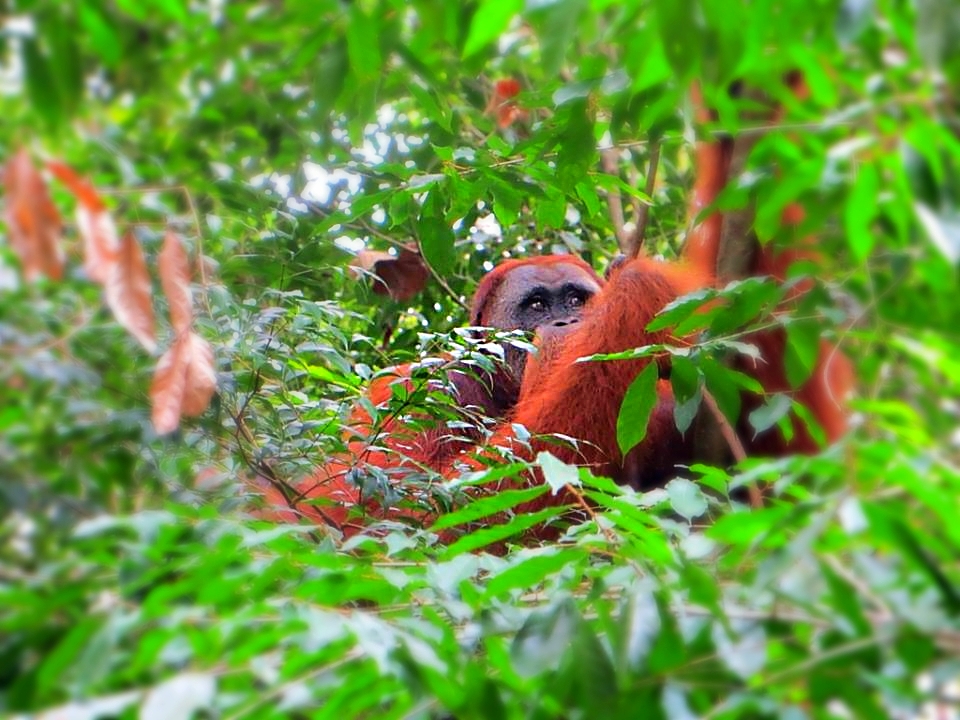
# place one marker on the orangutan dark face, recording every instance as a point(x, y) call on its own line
point(545, 299)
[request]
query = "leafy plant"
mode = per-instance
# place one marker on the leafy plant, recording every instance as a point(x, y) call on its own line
point(281, 142)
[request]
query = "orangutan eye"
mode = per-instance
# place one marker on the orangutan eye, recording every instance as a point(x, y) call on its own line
point(537, 305)
point(576, 300)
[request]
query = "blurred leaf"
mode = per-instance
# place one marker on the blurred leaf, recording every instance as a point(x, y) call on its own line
point(686, 499)
point(802, 351)
point(559, 27)
point(860, 211)
point(33, 223)
point(102, 34)
point(488, 22)
point(544, 640)
point(942, 231)
point(770, 413)
point(174, 270)
point(182, 696)
point(183, 383)
point(128, 293)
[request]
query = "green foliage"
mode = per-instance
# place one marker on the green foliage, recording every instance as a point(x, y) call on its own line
point(280, 138)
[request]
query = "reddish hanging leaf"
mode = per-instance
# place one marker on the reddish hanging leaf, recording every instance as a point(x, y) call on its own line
point(400, 276)
point(175, 278)
point(33, 223)
point(82, 190)
point(502, 104)
point(184, 382)
point(201, 373)
point(507, 88)
point(101, 242)
point(128, 292)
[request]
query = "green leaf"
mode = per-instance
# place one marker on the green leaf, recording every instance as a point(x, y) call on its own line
point(721, 382)
point(58, 660)
point(435, 235)
point(551, 211)
point(488, 22)
point(529, 572)
point(770, 413)
point(942, 230)
point(330, 71)
point(104, 37)
point(577, 149)
point(495, 533)
point(500, 501)
point(669, 650)
point(174, 9)
point(363, 44)
point(588, 194)
point(680, 309)
point(686, 498)
point(802, 350)
point(559, 28)
point(41, 83)
point(687, 383)
point(743, 528)
point(431, 106)
point(557, 473)
point(507, 203)
point(679, 33)
point(635, 410)
point(545, 639)
point(860, 210)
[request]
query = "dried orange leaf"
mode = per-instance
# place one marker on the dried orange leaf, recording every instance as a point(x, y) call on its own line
point(82, 190)
point(184, 382)
point(503, 106)
point(175, 278)
point(201, 376)
point(101, 242)
point(400, 276)
point(167, 390)
point(33, 223)
point(128, 292)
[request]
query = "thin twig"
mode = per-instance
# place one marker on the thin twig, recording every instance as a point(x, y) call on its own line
point(443, 283)
point(635, 242)
point(608, 161)
point(733, 442)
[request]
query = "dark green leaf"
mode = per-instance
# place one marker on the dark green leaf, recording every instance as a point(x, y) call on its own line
point(638, 403)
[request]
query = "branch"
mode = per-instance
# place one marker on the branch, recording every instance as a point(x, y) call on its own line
point(635, 241)
point(733, 442)
point(608, 160)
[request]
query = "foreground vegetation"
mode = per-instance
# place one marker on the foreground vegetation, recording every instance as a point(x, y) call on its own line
point(273, 142)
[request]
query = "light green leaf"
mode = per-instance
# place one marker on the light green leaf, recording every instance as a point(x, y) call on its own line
point(860, 210)
point(770, 413)
point(500, 501)
point(686, 498)
point(557, 473)
point(488, 22)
